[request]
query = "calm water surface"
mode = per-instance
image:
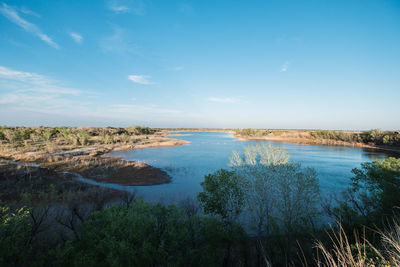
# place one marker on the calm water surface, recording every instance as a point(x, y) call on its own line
point(210, 151)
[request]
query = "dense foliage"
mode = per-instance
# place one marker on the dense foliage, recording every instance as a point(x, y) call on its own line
point(15, 236)
point(138, 234)
point(147, 235)
point(275, 197)
point(223, 194)
point(373, 196)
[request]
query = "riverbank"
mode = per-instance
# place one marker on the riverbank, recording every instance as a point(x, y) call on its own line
point(325, 142)
point(311, 137)
point(87, 156)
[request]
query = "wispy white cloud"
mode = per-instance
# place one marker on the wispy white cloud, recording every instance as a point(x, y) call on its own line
point(127, 6)
point(141, 79)
point(76, 37)
point(12, 15)
point(23, 94)
point(223, 100)
point(26, 95)
point(119, 8)
point(285, 66)
point(23, 99)
point(119, 41)
point(29, 12)
point(20, 81)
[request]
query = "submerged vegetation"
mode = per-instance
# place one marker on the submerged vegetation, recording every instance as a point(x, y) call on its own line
point(263, 210)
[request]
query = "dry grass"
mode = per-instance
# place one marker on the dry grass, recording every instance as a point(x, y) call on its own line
point(361, 252)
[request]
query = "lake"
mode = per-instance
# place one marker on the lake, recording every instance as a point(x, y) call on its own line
point(210, 151)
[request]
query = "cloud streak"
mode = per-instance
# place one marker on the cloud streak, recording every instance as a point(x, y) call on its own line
point(27, 98)
point(140, 79)
point(20, 81)
point(226, 100)
point(118, 42)
point(127, 6)
point(12, 15)
point(76, 37)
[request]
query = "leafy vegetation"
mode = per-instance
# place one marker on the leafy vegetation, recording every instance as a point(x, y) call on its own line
point(373, 196)
point(279, 197)
point(15, 233)
point(72, 135)
point(264, 210)
point(223, 194)
point(132, 234)
point(147, 235)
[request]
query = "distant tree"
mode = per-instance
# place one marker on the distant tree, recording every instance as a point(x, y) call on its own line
point(386, 139)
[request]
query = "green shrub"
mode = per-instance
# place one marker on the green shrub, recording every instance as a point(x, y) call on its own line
point(139, 130)
point(147, 235)
point(83, 137)
point(15, 233)
point(22, 135)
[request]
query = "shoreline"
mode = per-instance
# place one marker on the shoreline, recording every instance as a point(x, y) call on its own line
point(301, 141)
point(93, 163)
point(128, 173)
point(321, 142)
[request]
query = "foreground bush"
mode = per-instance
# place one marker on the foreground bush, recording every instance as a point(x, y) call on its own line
point(143, 234)
point(340, 251)
point(373, 196)
point(15, 236)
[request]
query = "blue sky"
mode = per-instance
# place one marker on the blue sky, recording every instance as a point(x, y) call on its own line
point(263, 64)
